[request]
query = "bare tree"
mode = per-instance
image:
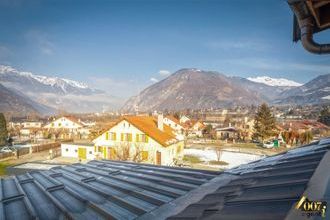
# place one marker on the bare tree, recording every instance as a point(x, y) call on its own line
point(218, 152)
point(137, 155)
point(123, 151)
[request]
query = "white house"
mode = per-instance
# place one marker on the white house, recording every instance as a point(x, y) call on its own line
point(32, 124)
point(196, 129)
point(184, 119)
point(68, 126)
point(64, 122)
point(145, 138)
point(79, 151)
point(174, 124)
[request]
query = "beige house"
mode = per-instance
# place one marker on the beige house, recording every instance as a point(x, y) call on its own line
point(141, 139)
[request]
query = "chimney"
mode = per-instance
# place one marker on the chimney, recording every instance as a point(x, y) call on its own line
point(160, 122)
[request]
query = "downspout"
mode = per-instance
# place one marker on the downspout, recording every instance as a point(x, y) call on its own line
point(306, 24)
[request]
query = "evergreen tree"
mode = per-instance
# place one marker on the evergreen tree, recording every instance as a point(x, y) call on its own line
point(264, 123)
point(325, 115)
point(3, 130)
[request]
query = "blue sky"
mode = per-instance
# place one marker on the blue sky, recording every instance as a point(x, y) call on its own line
point(123, 46)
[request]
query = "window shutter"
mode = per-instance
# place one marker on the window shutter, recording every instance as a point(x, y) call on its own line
point(147, 138)
point(121, 136)
point(137, 138)
point(107, 136)
point(129, 137)
point(114, 136)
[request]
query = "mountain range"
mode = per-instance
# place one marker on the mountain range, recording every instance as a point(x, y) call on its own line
point(12, 102)
point(274, 82)
point(56, 93)
point(197, 89)
point(25, 92)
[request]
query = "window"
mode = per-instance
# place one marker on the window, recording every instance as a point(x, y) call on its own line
point(126, 137)
point(141, 138)
point(113, 136)
point(76, 150)
point(67, 150)
point(90, 152)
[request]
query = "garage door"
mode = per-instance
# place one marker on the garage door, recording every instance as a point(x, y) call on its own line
point(82, 153)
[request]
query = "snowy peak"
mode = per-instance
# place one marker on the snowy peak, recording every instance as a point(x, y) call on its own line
point(274, 81)
point(49, 81)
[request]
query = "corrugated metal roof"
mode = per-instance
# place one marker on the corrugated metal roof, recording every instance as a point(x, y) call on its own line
point(266, 189)
point(97, 190)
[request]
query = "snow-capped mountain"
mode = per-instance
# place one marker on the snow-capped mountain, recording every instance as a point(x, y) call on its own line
point(316, 91)
point(195, 89)
point(58, 93)
point(198, 89)
point(274, 81)
point(18, 104)
point(10, 74)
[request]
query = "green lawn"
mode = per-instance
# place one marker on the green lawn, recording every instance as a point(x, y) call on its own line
point(3, 166)
point(215, 162)
point(192, 159)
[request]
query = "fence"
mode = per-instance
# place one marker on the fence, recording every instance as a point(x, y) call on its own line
point(5, 155)
point(30, 149)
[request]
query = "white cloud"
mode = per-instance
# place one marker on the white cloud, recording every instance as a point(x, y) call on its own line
point(152, 79)
point(164, 72)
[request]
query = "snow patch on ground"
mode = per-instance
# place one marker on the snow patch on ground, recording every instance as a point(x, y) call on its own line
point(232, 158)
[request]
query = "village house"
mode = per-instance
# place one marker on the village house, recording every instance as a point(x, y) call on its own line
point(228, 133)
point(184, 119)
point(174, 124)
point(65, 122)
point(67, 127)
point(142, 139)
point(31, 130)
point(32, 124)
point(301, 126)
point(195, 128)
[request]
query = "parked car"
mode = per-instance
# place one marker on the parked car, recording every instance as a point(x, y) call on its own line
point(268, 144)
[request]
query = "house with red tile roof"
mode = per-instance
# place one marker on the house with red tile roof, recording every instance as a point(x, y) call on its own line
point(144, 139)
point(174, 123)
